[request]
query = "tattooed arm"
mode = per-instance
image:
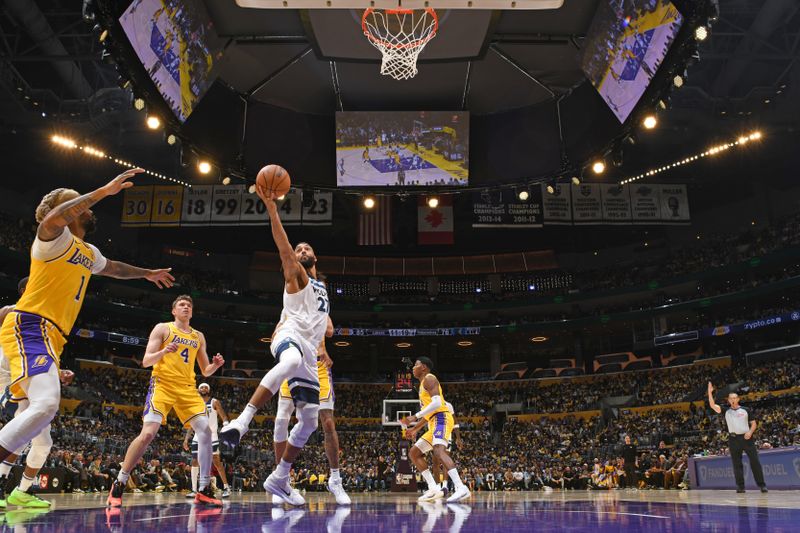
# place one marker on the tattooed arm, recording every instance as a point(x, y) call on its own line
point(117, 269)
point(63, 215)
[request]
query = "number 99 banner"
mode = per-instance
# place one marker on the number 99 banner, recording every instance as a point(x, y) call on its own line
point(219, 205)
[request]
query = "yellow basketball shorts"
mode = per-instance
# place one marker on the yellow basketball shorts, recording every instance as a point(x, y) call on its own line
point(440, 431)
point(163, 397)
point(326, 395)
point(32, 345)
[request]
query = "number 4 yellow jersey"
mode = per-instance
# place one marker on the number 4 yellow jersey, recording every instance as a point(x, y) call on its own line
point(178, 367)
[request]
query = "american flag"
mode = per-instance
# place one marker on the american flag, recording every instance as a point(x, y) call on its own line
point(375, 225)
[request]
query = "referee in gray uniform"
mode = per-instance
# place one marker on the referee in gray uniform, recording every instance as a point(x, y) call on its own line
point(741, 427)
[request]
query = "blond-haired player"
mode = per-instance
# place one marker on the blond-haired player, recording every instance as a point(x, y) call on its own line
point(326, 419)
point(33, 335)
point(172, 351)
point(437, 438)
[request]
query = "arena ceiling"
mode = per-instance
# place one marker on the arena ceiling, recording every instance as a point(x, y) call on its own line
point(54, 73)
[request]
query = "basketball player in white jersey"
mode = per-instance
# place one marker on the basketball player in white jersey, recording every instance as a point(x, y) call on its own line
point(215, 412)
point(304, 320)
point(40, 445)
point(327, 420)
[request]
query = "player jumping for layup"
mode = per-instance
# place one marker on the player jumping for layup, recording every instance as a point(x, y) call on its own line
point(304, 320)
point(326, 403)
point(440, 426)
point(33, 335)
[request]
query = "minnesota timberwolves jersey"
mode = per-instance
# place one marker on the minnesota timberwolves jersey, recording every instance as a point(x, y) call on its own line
point(306, 312)
point(213, 421)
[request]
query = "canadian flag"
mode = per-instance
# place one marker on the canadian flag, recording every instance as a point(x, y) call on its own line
point(435, 224)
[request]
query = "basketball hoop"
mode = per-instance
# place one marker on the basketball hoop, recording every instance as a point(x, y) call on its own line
point(400, 35)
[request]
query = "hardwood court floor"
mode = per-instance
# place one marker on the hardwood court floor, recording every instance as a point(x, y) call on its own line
point(645, 511)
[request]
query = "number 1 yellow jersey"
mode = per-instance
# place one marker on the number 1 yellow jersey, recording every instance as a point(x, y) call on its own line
point(178, 367)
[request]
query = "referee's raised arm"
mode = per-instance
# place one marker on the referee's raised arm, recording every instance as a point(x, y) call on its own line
point(717, 409)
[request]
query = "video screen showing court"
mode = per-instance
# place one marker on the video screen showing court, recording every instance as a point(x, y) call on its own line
point(178, 47)
point(402, 149)
point(627, 42)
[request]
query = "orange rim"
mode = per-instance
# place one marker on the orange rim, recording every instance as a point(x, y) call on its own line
point(400, 11)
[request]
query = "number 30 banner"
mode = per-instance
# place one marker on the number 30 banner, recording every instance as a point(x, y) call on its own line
point(219, 205)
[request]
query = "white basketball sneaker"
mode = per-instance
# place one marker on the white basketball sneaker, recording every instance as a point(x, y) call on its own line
point(277, 500)
point(335, 487)
point(459, 494)
point(233, 432)
point(429, 495)
point(281, 487)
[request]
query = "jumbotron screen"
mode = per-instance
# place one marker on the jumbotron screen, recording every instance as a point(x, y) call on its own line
point(402, 149)
point(627, 42)
point(177, 45)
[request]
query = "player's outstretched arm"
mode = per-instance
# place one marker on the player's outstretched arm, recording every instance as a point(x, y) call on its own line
point(711, 402)
point(206, 368)
point(292, 269)
point(221, 411)
point(63, 215)
point(119, 270)
point(154, 353)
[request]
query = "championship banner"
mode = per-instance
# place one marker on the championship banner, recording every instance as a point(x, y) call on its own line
point(587, 205)
point(252, 212)
point(557, 207)
point(167, 206)
point(136, 206)
point(317, 209)
point(616, 204)
point(504, 209)
point(645, 203)
point(674, 204)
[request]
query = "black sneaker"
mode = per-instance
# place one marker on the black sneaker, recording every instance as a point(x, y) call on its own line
point(115, 495)
point(764, 490)
point(740, 491)
point(207, 497)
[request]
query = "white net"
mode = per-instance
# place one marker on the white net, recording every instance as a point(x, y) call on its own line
point(400, 35)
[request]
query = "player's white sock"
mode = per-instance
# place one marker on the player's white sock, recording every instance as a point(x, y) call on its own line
point(5, 469)
point(247, 414)
point(335, 474)
point(25, 483)
point(428, 477)
point(453, 473)
point(195, 475)
point(123, 476)
point(283, 468)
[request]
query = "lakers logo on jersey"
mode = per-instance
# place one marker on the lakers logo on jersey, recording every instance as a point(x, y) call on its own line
point(40, 361)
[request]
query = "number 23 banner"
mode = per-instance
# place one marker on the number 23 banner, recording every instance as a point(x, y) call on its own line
point(219, 205)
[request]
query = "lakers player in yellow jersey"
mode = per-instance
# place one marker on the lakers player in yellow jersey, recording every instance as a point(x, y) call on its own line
point(172, 350)
point(33, 335)
point(440, 422)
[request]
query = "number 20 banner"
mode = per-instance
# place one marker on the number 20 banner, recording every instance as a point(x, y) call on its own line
point(219, 205)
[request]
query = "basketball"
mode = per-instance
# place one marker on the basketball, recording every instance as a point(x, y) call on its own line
point(274, 178)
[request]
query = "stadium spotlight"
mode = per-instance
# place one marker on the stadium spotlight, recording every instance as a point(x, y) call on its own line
point(677, 81)
point(153, 122)
point(433, 202)
point(226, 180)
point(369, 202)
point(701, 33)
point(252, 189)
point(576, 180)
point(138, 104)
point(598, 167)
point(523, 194)
point(171, 139)
point(204, 167)
point(650, 122)
point(550, 189)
